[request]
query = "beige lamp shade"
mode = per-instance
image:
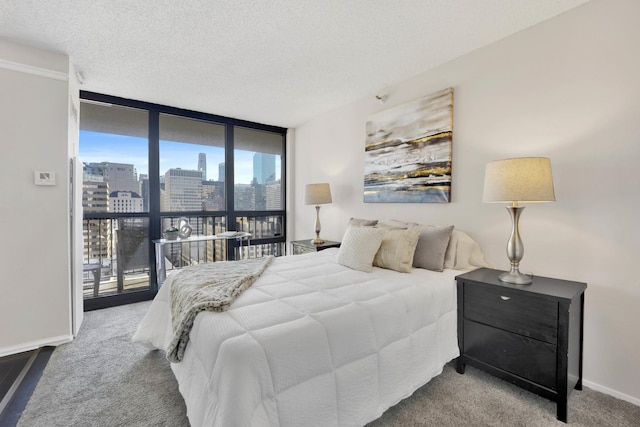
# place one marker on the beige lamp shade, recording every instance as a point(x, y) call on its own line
point(525, 179)
point(317, 194)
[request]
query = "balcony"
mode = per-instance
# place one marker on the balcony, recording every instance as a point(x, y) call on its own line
point(117, 250)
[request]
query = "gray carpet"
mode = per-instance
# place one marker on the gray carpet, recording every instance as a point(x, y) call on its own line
point(102, 379)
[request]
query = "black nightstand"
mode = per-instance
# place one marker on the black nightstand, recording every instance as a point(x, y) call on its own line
point(305, 246)
point(529, 335)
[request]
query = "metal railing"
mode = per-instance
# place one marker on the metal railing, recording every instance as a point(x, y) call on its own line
point(117, 257)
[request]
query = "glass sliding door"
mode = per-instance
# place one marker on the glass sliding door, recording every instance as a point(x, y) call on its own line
point(114, 150)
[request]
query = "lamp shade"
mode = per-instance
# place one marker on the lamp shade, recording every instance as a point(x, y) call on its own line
point(525, 179)
point(317, 194)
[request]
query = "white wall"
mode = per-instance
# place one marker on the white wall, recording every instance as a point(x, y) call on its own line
point(35, 292)
point(568, 89)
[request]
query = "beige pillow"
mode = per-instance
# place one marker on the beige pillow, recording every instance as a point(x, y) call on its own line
point(396, 250)
point(432, 246)
point(359, 246)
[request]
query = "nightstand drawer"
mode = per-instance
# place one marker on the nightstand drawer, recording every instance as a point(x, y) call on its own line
point(511, 310)
point(528, 358)
point(299, 249)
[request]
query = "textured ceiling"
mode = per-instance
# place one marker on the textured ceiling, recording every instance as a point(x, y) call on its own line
point(279, 62)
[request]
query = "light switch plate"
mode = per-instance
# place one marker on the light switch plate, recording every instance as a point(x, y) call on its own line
point(44, 178)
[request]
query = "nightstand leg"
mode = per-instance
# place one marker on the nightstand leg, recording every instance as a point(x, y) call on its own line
point(460, 365)
point(579, 383)
point(562, 410)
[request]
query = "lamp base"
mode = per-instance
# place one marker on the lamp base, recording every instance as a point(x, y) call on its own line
point(318, 241)
point(514, 276)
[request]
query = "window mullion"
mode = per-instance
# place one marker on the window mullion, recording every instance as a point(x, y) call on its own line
point(154, 190)
point(229, 184)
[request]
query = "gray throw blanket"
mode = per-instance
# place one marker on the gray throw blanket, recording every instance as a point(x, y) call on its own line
point(210, 287)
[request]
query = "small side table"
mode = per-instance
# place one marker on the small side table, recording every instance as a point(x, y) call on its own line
point(529, 335)
point(305, 246)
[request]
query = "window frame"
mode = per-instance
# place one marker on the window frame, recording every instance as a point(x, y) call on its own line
point(154, 213)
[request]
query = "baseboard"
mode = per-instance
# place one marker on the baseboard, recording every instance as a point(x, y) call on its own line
point(611, 392)
point(48, 342)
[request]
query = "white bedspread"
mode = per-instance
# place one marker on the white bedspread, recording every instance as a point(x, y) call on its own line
point(312, 343)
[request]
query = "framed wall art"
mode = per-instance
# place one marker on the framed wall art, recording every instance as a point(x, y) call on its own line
point(408, 152)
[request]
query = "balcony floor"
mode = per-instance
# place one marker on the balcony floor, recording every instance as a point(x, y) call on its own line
point(132, 282)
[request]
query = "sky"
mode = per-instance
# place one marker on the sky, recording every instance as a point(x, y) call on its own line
point(96, 147)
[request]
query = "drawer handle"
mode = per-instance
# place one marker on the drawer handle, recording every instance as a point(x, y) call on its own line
point(505, 298)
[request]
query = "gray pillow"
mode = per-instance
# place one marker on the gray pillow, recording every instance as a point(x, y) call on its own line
point(432, 246)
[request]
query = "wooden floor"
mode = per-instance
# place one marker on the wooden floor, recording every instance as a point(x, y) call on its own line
point(19, 374)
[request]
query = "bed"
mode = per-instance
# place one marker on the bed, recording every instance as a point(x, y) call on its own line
point(312, 342)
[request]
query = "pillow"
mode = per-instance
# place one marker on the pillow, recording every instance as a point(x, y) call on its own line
point(396, 250)
point(359, 246)
point(464, 253)
point(361, 222)
point(392, 223)
point(432, 246)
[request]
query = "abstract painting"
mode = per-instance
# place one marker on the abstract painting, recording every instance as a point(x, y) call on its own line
point(408, 152)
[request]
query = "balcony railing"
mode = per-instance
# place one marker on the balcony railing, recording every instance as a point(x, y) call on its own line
point(116, 255)
point(117, 251)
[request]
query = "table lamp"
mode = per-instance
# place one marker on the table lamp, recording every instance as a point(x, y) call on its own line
point(519, 180)
point(317, 194)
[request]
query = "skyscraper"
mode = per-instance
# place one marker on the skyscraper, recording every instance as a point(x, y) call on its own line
point(221, 172)
point(202, 165)
point(264, 167)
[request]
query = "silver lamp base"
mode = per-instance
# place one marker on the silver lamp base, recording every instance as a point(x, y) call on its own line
point(515, 250)
point(514, 276)
point(317, 240)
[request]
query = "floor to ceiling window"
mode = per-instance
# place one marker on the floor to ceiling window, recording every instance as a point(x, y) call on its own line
point(258, 188)
point(148, 166)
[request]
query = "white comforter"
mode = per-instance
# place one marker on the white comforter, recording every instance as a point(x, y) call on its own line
point(312, 343)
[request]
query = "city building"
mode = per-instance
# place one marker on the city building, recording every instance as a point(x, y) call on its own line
point(264, 167)
point(144, 191)
point(213, 196)
point(125, 201)
point(120, 176)
point(273, 194)
point(182, 190)
point(95, 195)
point(221, 172)
point(245, 197)
point(202, 165)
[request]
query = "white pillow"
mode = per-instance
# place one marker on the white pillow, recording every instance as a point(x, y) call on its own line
point(359, 246)
point(392, 223)
point(464, 253)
